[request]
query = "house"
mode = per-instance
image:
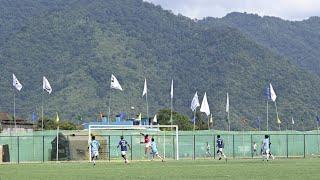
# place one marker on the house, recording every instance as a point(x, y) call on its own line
point(7, 122)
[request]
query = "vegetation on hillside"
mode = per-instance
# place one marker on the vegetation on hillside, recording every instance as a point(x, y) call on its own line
point(77, 45)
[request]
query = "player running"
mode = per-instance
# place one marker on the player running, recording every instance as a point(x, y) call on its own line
point(265, 148)
point(154, 150)
point(147, 143)
point(123, 147)
point(208, 152)
point(220, 146)
point(95, 146)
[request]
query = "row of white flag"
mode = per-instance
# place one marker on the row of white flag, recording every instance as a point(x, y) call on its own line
point(45, 85)
point(204, 105)
point(116, 85)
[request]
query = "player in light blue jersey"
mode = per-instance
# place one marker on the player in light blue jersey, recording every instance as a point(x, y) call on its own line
point(266, 148)
point(95, 146)
point(123, 146)
point(154, 150)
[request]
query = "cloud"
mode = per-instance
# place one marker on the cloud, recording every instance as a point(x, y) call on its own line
point(286, 9)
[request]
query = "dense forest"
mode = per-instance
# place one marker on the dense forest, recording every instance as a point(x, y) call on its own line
point(78, 44)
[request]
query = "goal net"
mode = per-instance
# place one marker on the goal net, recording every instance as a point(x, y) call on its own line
point(166, 138)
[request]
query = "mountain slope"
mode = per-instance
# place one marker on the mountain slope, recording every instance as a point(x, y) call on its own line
point(297, 40)
point(78, 45)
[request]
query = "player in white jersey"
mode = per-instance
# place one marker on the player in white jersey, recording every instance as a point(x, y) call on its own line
point(265, 148)
point(95, 146)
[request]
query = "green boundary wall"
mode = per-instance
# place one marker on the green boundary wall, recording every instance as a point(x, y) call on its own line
point(36, 146)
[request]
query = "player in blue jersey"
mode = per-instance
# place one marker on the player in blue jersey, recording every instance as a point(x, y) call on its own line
point(154, 150)
point(95, 146)
point(220, 146)
point(123, 147)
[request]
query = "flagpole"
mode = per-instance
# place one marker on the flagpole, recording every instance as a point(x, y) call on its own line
point(267, 115)
point(194, 120)
point(275, 104)
point(171, 113)
point(57, 142)
point(14, 112)
point(147, 105)
point(42, 113)
point(228, 122)
point(109, 106)
point(208, 122)
point(318, 133)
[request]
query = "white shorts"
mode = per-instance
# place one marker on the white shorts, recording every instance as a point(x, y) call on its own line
point(148, 145)
point(94, 153)
point(220, 150)
point(155, 153)
point(123, 153)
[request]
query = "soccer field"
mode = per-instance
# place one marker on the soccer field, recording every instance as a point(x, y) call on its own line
point(184, 169)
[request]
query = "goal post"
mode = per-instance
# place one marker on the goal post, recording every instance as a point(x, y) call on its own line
point(135, 127)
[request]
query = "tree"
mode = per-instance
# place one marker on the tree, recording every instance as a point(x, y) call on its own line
point(182, 121)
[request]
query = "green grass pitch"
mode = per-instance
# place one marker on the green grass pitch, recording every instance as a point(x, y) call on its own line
point(183, 169)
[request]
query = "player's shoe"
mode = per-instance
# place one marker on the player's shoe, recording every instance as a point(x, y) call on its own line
point(219, 158)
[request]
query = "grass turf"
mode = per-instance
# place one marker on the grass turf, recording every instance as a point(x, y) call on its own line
point(183, 169)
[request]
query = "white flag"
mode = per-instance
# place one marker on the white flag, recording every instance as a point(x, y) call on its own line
point(227, 105)
point(16, 83)
point(115, 83)
point(292, 121)
point(195, 102)
point(204, 105)
point(46, 85)
point(145, 88)
point(171, 92)
point(211, 119)
point(155, 120)
point(272, 94)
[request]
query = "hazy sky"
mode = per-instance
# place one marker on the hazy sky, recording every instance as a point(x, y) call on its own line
point(286, 9)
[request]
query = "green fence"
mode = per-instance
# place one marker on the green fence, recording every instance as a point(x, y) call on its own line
point(37, 148)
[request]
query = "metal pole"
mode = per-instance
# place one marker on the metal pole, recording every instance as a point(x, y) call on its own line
point(233, 146)
point(18, 149)
point(304, 145)
point(109, 106)
point(251, 145)
point(147, 106)
point(42, 148)
point(287, 146)
point(214, 147)
point(177, 139)
point(194, 147)
point(131, 147)
point(42, 113)
point(267, 115)
point(14, 112)
point(109, 148)
point(57, 155)
point(164, 144)
point(171, 113)
point(194, 120)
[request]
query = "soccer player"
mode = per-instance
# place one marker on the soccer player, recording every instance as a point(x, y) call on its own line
point(95, 145)
point(254, 148)
point(123, 147)
point(266, 148)
point(146, 142)
point(220, 146)
point(154, 150)
point(208, 152)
